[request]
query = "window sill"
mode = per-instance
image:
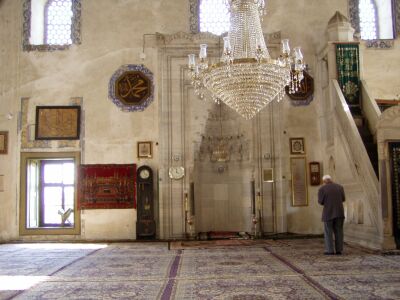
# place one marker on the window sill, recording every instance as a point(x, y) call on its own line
point(45, 48)
point(51, 231)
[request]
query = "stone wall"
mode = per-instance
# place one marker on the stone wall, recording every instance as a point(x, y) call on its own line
point(112, 35)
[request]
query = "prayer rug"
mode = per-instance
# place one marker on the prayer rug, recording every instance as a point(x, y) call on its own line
point(114, 267)
point(284, 269)
point(135, 249)
point(366, 286)
point(242, 287)
point(315, 263)
point(230, 264)
point(214, 244)
point(214, 235)
point(95, 290)
point(40, 259)
point(106, 186)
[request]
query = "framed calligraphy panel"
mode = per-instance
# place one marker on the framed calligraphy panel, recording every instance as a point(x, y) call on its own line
point(57, 122)
point(144, 150)
point(297, 146)
point(298, 169)
point(131, 88)
point(3, 142)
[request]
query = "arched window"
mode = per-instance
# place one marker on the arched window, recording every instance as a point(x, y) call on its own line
point(51, 24)
point(375, 20)
point(368, 20)
point(58, 22)
point(213, 16)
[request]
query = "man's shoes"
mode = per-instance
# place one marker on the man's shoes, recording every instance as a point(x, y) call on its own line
point(329, 253)
point(338, 253)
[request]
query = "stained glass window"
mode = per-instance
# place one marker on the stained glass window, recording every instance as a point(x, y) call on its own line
point(58, 22)
point(368, 20)
point(214, 16)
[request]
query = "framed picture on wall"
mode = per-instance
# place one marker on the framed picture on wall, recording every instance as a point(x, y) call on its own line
point(297, 146)
point(3, 142)
point(298, 170)
point(1, 183)
point(57, 122)
point(144, 150)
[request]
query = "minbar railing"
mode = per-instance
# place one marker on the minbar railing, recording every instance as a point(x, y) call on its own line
point(359, 155)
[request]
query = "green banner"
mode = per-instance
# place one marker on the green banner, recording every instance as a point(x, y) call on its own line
point(348, 66)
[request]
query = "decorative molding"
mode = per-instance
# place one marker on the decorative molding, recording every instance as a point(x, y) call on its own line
point(354, 15)
point(388, 116)
point(26, 26)
point(136, 81)
point(194, 16)
point(76, 22)
point(189, 37)
point(75, 28)
point(380, 44)
point(397, 12)
point(168, 39)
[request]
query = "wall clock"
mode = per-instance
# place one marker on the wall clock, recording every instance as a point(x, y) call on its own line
point(144, 173)
point(145, 225)
point(315, 173)
point(176, 172)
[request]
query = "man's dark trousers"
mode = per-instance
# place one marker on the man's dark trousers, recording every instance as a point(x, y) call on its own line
point(333, 228)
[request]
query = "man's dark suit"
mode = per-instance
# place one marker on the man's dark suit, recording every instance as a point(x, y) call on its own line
point(331, 196)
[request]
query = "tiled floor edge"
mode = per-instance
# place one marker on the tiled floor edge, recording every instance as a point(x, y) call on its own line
point(167, 293)
point(308, 279)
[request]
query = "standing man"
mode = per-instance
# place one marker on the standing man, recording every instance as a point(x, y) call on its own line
point(331, 196)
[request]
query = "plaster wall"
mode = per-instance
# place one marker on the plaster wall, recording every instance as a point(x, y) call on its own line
point(9, 92)
point(112, 35)
point(380, 74)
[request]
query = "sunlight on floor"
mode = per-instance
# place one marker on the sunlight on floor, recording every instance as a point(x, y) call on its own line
point(19, 283)
point(62, 246)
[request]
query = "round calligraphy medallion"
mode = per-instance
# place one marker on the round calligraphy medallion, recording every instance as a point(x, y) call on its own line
point(131, 88)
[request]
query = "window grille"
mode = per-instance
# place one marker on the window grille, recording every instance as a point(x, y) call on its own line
point(368, 20)
point(58, 22)
point(214, 16)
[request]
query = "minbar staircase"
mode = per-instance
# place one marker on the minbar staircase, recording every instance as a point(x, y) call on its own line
point(367, 137)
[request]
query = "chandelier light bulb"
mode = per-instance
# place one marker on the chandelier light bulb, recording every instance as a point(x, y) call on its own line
point(285, 46)
point(192, 61)
point(298, 54)
point(203, 51)
point(227, 45)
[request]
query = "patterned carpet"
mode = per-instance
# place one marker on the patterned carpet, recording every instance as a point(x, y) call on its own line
point(282, 269)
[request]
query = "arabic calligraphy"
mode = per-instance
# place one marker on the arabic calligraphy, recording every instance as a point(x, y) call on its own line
point(57, 122)
point(132, 87)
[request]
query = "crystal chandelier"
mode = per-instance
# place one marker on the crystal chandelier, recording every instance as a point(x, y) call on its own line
point(247, 78)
